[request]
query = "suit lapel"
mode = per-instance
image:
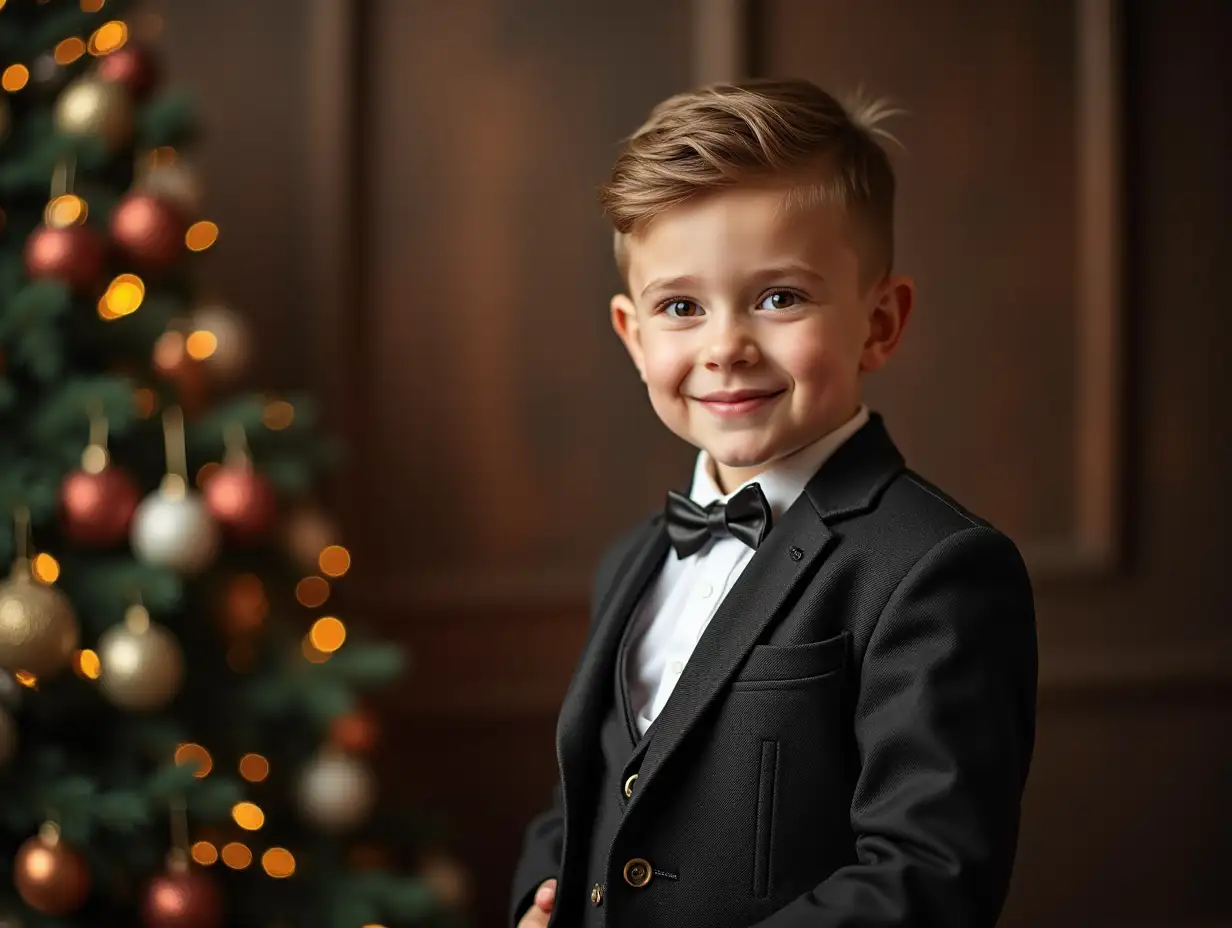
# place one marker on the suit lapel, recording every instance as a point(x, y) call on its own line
point(848, 483)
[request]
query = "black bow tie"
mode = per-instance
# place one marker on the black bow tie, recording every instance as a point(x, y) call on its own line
point(746, 516)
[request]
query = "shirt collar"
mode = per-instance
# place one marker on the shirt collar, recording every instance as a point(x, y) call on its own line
point(786, 479)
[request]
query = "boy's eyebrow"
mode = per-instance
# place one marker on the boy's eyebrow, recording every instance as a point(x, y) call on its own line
point(770, 273)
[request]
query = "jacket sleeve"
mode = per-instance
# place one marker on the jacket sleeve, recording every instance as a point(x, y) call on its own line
point(945, 729)
point(542, 843)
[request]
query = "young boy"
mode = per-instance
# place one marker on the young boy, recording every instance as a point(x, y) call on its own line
point(807, 699)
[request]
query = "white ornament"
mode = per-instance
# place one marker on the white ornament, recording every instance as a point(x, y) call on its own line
point(229, 359)
point(336, 791)
point(173, 528)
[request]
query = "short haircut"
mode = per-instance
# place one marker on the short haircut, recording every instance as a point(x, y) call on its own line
point(758, 130)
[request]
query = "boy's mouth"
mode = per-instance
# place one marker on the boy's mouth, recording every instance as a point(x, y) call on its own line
point(738, 402)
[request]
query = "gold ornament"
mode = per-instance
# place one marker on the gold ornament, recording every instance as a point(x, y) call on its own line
point(336, 791)
point(141, 661)
point(90, 107)
point(38, 628)
point(8, 737)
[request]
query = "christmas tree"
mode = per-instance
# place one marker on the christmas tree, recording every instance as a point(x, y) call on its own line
point(183, 740)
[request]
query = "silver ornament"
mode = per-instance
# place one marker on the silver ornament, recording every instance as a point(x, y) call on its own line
point(336, 791)
point(8, 738)
point(90, 107)
point(141, 662)
point(38, 628)
point(173, 528)
point(177, 183)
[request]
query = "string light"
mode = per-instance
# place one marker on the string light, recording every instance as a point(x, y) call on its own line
point(204, 853)
point(145, 402)
point(123, 296)
point(278, 862)
point(278, 415)
point(327, 634)
point(66, 210)
point(91, 6)
point(190, 753)
point(201, 344)
point(87, 664)
point(69, 50)
point(201, 235)
point(46, 569)
point(15, 77)
point(254, 768)
point(26, 679)
point(248, 815)
point(312, 653)
point(236, 856)
point(312, 592)
point(108, 37)
point(208, 469)
point(335, 561)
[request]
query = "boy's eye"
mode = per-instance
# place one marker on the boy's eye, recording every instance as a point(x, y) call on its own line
point(780, 299)
point(682, 309)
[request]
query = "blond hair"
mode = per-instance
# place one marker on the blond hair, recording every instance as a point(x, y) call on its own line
point(728, 134)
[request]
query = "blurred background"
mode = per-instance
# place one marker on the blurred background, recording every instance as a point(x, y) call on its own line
point(406, 196)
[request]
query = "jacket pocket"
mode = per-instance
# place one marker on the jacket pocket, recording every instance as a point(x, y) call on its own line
point(768, 665)
point(767, 782)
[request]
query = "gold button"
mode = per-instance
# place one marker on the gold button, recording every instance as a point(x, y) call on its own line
point(629, 786)
point(637, 872)
point(596, 894)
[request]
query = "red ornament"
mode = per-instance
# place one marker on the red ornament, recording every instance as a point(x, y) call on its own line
point(241, 500)
point(97, 508)
point(148, 230)
point(73, 254)
point(355, 732)
point(133, 67)
point(51, 877)
point(182, 898)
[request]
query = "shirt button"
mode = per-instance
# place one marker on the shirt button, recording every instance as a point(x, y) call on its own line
point(705, 589)
point(676, 667)
point(596, 894)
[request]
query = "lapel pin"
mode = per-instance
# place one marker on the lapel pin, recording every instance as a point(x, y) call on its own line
point(795, 553)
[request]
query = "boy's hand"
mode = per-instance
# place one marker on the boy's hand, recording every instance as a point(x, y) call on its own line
point(537, 915)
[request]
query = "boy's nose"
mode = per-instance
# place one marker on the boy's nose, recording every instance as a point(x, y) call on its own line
point(729, 343)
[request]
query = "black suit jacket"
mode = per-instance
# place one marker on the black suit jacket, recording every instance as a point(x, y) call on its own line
point(848, 743)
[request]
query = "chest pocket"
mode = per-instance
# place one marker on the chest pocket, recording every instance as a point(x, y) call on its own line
point(782, 666)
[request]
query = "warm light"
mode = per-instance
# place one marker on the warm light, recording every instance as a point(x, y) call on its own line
point(169, 351)
point(201, 344)
point(311, 652)
point(65, 210)
point(162, 156)
point(201, 235)
point(91, 6)
point(206, 472)
point(204, 853)
point(197, 755)
point(312, 591)
point(278, 862)
point(248, 815)
point(236, 856)
point(254, 768)
point(108, 37)
point(278, 414)
point(145, 402)
point(70, 49)
point(26, 679)
point(327, 634)
point(335, 561)
point(87, 665)
point(15, 77)
point(123, 296)
point(46, 568)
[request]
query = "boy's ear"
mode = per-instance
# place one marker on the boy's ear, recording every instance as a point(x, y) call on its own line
point(624, 321)
point(887, 319)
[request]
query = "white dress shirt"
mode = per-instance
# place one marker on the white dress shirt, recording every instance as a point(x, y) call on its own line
point(680, 602)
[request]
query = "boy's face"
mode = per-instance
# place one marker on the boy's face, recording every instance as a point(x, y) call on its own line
point(749, 326)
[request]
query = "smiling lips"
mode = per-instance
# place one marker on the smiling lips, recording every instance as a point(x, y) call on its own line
point(731, 403)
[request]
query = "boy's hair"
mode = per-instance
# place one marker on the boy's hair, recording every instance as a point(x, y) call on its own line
point(727, 134)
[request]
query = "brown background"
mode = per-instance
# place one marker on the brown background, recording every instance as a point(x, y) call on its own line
point(406, 195)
